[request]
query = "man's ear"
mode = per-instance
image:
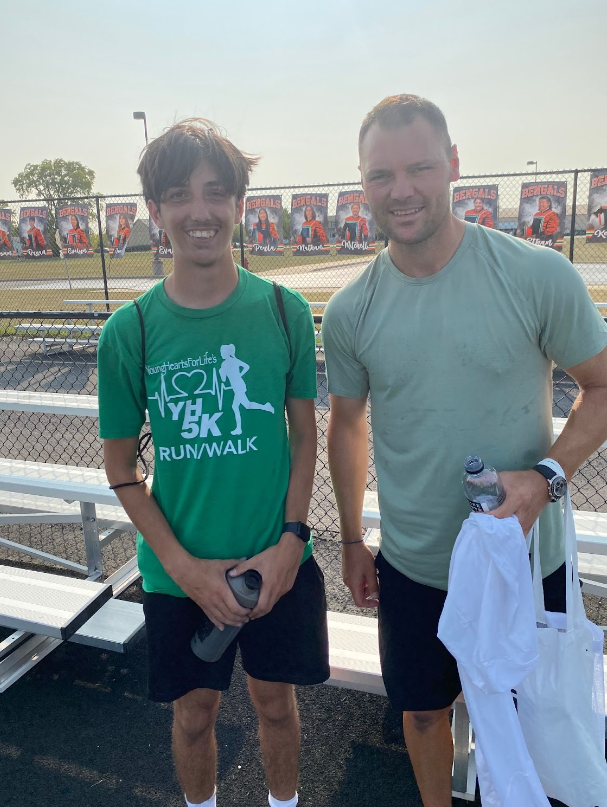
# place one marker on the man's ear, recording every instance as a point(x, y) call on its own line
point(454, 163)
point(155, 214)
point(239, 211)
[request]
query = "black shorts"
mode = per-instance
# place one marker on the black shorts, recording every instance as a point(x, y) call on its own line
point(290, 644)
point(419, 672)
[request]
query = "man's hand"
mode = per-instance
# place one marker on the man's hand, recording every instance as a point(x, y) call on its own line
point(358, 572)
point(204, 581)
point(278, 566)
point(526, 497)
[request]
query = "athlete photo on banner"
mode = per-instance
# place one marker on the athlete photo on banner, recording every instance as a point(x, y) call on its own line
point(354, 224)
point(73, 227)
point(596, 228)
point(33, 235)
point(263, 225)
point(309, 223)
point(7, 250)
point(161, 244)
point(541, 213)
point(119, 220)
point(477, 204)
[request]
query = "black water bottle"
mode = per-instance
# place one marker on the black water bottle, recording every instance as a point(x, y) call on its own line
point(209, 645)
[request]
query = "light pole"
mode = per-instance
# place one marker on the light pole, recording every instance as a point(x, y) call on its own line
point(533, 162)
point(141, 116)
point(157, 267)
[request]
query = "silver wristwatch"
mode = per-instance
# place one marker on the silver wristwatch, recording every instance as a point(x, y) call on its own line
point(553, 474)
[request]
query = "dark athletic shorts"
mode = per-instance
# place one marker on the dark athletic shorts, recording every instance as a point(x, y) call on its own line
point(419, 672)
point(290, 644)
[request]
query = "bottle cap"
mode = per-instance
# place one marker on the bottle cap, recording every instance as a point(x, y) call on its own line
point(473, 464)
point(252, 579)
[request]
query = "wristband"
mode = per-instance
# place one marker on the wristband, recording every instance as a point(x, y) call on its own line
point(360, 541)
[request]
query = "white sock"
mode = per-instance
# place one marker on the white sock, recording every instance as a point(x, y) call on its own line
point(277, 803)
point(208, 803)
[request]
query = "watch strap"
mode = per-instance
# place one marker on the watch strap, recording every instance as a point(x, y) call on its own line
point(300, 529)
point(552, 465)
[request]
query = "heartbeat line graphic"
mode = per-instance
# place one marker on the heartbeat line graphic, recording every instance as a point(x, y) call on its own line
point(162, 397)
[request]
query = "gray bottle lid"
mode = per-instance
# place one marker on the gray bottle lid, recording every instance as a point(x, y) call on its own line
point(252, 580)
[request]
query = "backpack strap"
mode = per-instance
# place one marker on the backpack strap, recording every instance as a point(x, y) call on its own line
point(142, 328)
point(281, 310)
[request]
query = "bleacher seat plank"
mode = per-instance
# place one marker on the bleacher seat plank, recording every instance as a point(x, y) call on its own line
point(49, 604)
point(116, 626)
point(68, 482)
point(108, 516)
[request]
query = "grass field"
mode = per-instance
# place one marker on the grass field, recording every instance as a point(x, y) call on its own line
point(139, 264)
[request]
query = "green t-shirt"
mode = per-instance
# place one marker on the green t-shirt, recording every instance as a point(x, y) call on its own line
point(457, 363)
point(215, 387)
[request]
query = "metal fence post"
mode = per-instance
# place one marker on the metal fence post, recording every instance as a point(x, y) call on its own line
point(102, 253)
point(241, 244)
point(573, 212)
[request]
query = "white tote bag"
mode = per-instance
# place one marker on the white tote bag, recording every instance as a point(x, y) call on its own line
point(561, 704)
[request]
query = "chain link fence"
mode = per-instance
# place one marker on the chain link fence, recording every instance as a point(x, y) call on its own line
point(324, 237)
point(26, 365)
point(58, 307)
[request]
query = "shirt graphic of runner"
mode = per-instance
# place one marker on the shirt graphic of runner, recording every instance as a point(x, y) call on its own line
point(233, 370)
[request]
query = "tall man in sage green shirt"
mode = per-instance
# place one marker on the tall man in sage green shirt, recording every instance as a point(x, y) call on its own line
point(452, 330)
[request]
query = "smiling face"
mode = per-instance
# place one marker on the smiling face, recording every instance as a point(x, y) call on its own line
point(478, 205)
point(406, 174)
point(355, 210)
point(543, 205)
point(74, 221)
point(262, 215)
point(308, 213)
point(199, 218)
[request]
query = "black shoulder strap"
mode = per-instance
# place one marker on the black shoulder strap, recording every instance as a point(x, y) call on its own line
point(142, 327)
point(281, 310)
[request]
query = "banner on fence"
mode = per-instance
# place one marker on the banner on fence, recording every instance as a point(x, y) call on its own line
point(596, 228)
point(263, 224)
point(541, 213)
point(7, 250)
point(309, 223)
point(477, 204)
point(33, 225)
point(119, 220)
point(354, 224)
point(73, 227)
point(161, 244)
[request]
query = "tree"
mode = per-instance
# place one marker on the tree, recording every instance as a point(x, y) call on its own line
point(55, 179)
point(286, 224)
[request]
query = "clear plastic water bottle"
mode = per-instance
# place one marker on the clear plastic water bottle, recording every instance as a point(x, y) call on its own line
point(209, 643)
point(482, 486)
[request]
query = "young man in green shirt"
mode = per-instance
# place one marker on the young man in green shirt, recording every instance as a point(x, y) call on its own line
point(212, 362)
point(452, 330)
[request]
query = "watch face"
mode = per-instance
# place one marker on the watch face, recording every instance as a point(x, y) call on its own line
point(558, 487)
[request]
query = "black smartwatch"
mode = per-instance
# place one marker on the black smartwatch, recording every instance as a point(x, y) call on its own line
point(300, 529)
point(557, 484)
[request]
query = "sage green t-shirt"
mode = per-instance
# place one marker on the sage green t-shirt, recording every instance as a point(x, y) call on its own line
point(457, 363)
point(215, 387)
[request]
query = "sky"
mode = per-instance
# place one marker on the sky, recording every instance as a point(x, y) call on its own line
point(517, 81)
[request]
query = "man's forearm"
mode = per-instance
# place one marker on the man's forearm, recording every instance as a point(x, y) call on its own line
point(348, 450)
point(148, 518)
point(584, 432)
point(301, 475)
